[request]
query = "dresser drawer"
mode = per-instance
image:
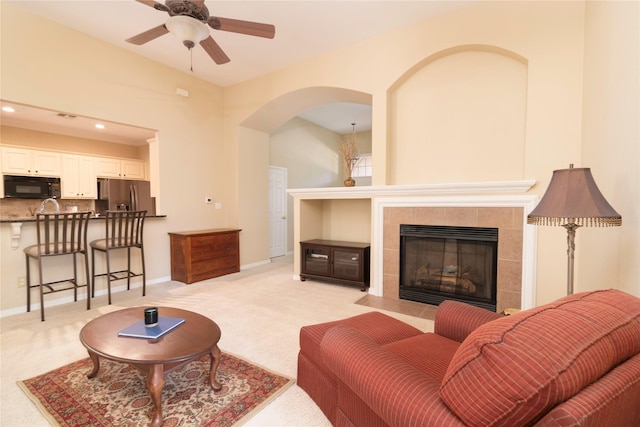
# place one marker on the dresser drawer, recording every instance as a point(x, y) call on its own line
point(214, 240)
point(199, 253)
point(214, 268)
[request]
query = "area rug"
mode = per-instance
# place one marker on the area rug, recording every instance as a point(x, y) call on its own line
point(118, 395)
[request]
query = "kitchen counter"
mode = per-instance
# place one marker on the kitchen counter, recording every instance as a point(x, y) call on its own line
point(15, 224)
point(32, 219)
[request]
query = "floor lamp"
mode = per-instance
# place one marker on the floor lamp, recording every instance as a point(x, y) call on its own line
point(573, 200)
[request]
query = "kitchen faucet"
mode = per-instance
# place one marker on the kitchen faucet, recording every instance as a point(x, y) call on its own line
point(44, 203)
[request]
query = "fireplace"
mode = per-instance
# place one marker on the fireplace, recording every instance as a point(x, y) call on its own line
point(439, 263)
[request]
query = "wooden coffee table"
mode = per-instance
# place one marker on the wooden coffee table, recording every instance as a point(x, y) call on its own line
point(196, 337)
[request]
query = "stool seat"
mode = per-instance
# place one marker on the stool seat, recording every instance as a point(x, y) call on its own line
point(52, 249)
point(101, 244)
point(123, 230)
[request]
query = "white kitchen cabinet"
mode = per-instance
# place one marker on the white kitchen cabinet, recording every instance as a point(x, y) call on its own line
point(19, 161)
point(133, 169)
point(120, 168)
point(78, 177)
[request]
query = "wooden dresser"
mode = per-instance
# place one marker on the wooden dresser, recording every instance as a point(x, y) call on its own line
point(203, 254)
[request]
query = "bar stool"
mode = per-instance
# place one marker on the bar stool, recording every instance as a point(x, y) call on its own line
point(57, 235)
point(123, 230)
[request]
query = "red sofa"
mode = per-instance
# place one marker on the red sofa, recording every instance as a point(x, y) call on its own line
point(575, 361)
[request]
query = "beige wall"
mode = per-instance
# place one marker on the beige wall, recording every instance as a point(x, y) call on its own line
point(50, 141)
point(460, 117)
point(608, 257)
point(209, 144)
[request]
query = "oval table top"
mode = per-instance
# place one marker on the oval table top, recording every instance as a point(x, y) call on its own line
point(197, 335)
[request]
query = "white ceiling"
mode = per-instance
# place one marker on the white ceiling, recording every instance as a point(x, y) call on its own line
point(304, 29)
point(39, 119)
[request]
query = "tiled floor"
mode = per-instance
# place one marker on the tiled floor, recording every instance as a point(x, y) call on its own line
point(410, 308)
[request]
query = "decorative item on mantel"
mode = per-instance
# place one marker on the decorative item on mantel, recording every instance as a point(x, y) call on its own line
point(573, 200)
point(349, 153)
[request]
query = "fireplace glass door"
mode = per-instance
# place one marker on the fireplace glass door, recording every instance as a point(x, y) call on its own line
point(440, 263)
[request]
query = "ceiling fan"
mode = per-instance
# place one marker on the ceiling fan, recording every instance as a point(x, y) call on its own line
point(188, 20)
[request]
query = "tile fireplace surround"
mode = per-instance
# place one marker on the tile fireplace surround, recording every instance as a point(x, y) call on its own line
point(501, 205)
point(508, 221)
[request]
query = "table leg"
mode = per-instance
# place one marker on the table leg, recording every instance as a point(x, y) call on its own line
point(96, 364)
point(155, 381)
point(216, 355)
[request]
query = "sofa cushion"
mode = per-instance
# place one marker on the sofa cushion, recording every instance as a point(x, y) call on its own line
point(381, 328)
point(430, 353)
point(513, 370)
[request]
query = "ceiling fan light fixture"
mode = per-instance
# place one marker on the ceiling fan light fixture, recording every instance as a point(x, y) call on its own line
point(188, 30)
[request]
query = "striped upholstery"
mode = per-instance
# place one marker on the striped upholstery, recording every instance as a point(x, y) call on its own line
point(514, 370)
point(456, 320)
point(611, 401)
point(396, 391)
point(430, 353)
point(313, 375)
point(575, 362)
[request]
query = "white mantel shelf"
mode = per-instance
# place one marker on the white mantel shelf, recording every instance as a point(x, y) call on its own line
point(366, 192)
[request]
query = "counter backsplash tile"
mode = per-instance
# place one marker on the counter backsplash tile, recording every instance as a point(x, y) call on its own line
point(26, 208)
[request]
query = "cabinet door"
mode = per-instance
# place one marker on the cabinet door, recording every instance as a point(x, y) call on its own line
point(16, 161)
point(78, 177)
point(46, 164)
point(316, 260)
point(107, 168)
point(132, 169)
point(69, 181)
point(347, 264)
point(87, 179)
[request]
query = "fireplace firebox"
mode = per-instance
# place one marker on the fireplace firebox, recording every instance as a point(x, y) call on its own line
point(439, 263)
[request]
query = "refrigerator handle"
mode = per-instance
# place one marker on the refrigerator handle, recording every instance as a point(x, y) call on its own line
point(134, 197)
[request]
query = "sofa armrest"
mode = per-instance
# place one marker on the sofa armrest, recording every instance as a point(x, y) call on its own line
point(399, 393)
point(455, 320)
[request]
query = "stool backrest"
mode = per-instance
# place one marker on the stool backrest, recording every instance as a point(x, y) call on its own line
point(62, 233)
point(124, 228)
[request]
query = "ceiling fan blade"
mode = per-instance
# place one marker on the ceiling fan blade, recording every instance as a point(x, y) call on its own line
point(154, 4)
point(243, 27)
point(214, 50)
point(148, 35)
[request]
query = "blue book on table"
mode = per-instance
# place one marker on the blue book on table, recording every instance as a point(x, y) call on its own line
point(139, 330)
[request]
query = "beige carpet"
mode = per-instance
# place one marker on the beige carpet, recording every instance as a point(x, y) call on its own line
point(259, 310)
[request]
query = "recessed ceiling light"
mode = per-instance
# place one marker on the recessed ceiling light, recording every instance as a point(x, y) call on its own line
point(100, 126)
point(8, 109)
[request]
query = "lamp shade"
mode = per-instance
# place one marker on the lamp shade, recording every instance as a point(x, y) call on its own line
point(574, 198)
point(188, 30)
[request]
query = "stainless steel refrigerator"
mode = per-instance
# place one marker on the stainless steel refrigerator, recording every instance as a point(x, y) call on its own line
point(124, 194)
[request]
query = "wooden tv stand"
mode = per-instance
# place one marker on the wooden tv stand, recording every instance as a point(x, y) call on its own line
point(336, 261)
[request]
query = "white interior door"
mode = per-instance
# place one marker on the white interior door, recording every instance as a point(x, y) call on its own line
point(277, 211)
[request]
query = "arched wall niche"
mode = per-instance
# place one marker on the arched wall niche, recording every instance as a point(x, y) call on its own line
point(458, 115)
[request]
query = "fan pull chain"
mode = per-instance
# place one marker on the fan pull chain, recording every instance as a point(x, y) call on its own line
point(191, 52)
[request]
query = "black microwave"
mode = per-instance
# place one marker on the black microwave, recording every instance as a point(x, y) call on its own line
point(31, 187)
